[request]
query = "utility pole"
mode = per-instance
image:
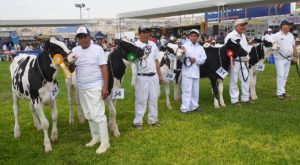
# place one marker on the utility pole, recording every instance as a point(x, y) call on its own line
point(80, 5)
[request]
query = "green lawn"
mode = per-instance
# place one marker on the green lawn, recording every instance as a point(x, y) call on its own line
point(267, 132)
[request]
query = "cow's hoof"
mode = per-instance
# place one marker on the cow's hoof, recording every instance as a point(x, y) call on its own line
point(54, 138)
point(117, 133)
point(93, 142)
point(71, 121)
point(169, 107)
point(17, 134)
point(48, 148)
point(216, 104)
point(38, 127)
point(81, 120)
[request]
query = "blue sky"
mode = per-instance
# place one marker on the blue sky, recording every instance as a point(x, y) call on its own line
point(65, 9)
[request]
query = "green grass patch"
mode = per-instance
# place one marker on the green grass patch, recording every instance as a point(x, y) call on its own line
point(267, 132)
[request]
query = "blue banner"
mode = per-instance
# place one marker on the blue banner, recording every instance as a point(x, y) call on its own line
point(277, 9)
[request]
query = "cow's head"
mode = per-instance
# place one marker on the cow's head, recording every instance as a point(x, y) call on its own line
point(57, 50)
point(129, 51)
point(270, 43)
point(175, 49)
point(235, 48)
point(269, 46)
point(256, 51)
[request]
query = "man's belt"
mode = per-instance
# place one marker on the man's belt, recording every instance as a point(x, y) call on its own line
point(146, 74)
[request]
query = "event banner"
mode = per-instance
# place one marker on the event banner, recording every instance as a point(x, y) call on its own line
point(251, 12)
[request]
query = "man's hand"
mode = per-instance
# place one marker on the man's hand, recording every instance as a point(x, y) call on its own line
point(105, 93)
point(183, 49)
point(161, 80)
point(193, 60)
point(295, 60)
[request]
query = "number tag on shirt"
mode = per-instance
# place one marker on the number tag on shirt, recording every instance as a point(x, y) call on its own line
point(260, 67)
point(222, 72)
point(118, 93)
point(169, 76)
point(54, 92)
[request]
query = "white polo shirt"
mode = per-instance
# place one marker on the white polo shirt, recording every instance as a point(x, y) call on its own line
point(285, 42)
point(195, 51)
point(147, 65)
point(235, 35)
point(88, 73)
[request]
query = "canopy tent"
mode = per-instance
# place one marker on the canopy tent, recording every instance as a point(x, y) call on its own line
point(196, 7)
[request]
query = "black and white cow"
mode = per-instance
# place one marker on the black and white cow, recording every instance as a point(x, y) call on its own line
point(169, 56)
point(219, 57)
point(116, 69)
point(258, 52)
point(33, 78)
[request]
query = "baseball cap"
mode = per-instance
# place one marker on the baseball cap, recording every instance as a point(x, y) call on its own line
point(269, 29)
point(82, 31)
point(285, 22)
point(240, 21)
point(144, 28)
point(194, 31)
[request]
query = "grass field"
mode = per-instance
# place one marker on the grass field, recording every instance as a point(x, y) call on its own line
point(267, 132)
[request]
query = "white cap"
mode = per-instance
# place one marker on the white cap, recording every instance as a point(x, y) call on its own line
point(172, 38)
point(240, 21)
point(82, 30)
point(269, 29)
point(194, 31)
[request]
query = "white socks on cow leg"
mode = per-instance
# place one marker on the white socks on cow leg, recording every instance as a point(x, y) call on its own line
point(103, 137)
point(95, 134)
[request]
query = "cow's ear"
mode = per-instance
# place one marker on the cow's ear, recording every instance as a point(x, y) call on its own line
point(47, 45)
point(117, 41)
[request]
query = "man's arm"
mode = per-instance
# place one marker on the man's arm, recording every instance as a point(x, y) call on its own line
point(295, 54)
point(104, 71)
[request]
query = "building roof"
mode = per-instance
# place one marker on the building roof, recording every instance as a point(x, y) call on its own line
point(46, 22)
point(196, 7)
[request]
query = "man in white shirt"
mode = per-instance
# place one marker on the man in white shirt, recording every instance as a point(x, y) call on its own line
point(147, 80)
point(269, 36)
point(194, 57)
point(284, 56)
point(239, 69)
point(92, 80)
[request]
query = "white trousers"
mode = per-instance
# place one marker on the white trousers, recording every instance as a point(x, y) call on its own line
point(190, 94)
point(235, 74)
point(146, 90)
point(283, 68)
point(92, 104)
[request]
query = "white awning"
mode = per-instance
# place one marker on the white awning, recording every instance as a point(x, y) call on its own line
point(196, 7)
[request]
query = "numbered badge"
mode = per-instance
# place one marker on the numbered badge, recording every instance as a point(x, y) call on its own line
point(118, 93)
point(222, 72)
point(260, 67)
point(54, 92)
point(169, 76)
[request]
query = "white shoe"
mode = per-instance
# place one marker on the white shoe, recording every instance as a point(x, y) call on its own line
point(102, 148)
point(104, 138)
point(95, 140)
point(95, 134)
